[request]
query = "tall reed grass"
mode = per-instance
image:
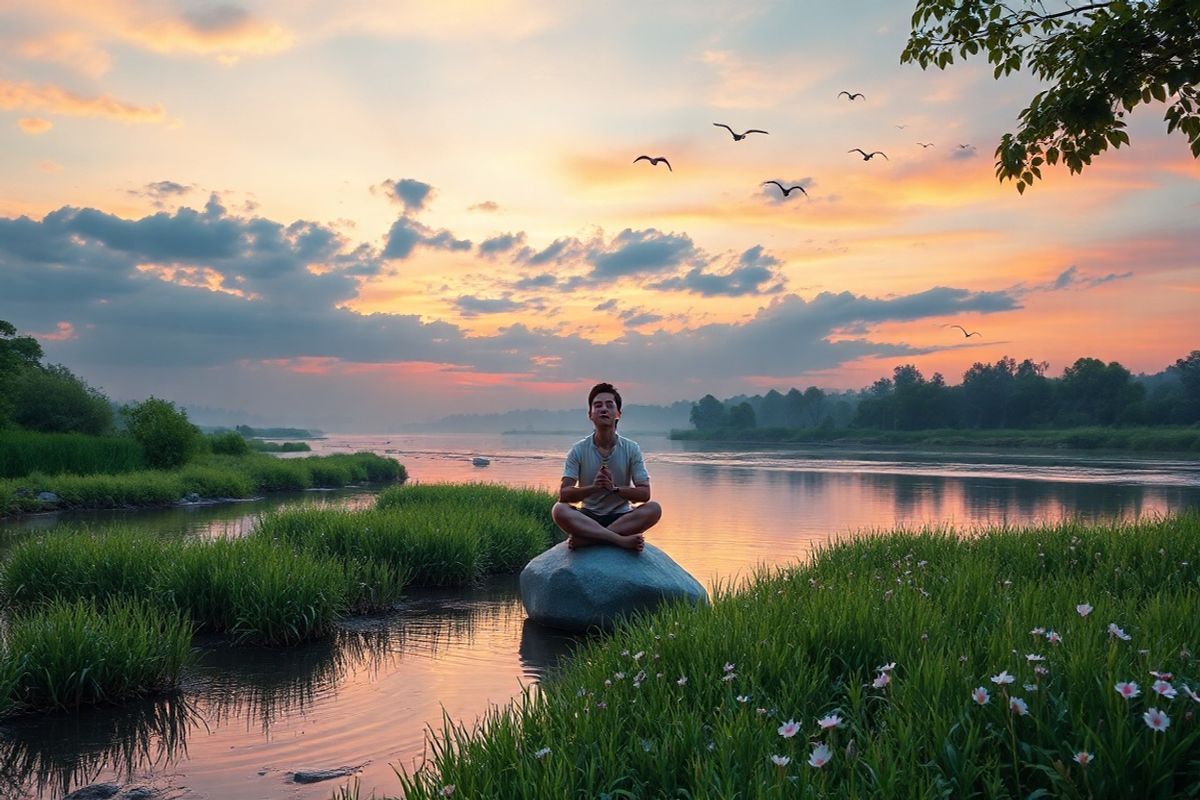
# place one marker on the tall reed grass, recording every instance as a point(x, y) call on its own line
point(879, 670)
point(250, 589)
point(66, 653)
point(210, 476)
point(25, 452)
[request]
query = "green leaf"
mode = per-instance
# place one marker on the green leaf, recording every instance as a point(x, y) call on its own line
point(1159, 92)
point(1020, 187)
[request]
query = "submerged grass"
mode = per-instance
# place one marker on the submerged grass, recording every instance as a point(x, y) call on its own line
point(68, 653)
point(210, 476)
point(886, 640)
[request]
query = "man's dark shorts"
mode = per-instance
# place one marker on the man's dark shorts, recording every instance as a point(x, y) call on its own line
point(604, 519)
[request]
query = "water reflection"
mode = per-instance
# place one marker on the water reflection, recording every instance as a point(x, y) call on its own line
point(145, 735)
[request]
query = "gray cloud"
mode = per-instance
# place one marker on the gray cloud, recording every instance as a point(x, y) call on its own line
point(500, 244)
point(1072, 278)
point(470, 306)
point(407, 233)
point(542, 280)
point(607, 305)
point(413, 194)
point(752, 273)
point(640, 252)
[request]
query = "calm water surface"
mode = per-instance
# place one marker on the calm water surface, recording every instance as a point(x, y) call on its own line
point(249, 716)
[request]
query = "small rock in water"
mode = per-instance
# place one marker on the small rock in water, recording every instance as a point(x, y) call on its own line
point(139, 793)
point(97, 791)
point(191, 497)
point(51, 497)
point(314, 775)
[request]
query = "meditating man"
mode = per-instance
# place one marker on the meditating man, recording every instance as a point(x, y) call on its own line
point(606, 473)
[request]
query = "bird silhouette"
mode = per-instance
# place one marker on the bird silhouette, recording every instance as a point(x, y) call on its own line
point(654, 161)
point(737, 137)
point(965, 147)
point(851, 96)
point(901, 127)
point(787, 190)
point(925, 145)
point(964, 330)
point(868, 156)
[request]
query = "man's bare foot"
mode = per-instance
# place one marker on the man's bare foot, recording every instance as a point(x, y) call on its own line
point(635, 542)
point(576, 542)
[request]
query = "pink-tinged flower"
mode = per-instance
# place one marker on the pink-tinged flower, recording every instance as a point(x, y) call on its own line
point(1128, 689)
point(729, 666)
point(1163, 676)
point(882, 680)
point(1083, 758)
point(1018, 706)
point(541, 754)
point(762, 712)
point(886, 667)
point(789, 729)
point(1114, 630)
point(1165, 689)
point(819, 756)
point(1156, 720)
point(1040, 670)
point(1053, 637)
point(781, 761)
point(1003, 679)
point(1033, 657)
point(743, 698)
point(1195, 697)
point(682, 680)
point(980, 695)
point(831, 721)
point(1083, 609)
point(1037, 632)
point(448, 790)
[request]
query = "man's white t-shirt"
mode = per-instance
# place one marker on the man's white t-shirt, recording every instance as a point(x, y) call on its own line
point(625, 463)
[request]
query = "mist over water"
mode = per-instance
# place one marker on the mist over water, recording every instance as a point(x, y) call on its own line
point(247, 717)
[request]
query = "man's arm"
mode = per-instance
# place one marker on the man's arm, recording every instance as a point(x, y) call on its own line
point(638, 493)
point(570, 493)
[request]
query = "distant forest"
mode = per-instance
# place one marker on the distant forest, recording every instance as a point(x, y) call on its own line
point(1005, 395)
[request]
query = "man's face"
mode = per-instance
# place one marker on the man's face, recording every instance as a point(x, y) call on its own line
point(604, 411)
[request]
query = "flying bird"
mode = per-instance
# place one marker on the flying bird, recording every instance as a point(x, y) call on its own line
point(964, 330)
point(925, 145)
point(852, 96)
point(868, 156)
point(737, 137)
point(787, 190)
point(965, 147)
point(901, 127)
point(655, 161)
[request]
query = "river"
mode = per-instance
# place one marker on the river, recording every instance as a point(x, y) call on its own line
point(247, 717)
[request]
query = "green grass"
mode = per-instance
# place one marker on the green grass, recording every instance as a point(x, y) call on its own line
point(25, 452)
point(211, 476)
point(260, 446)
point(804, 643)
point(250, 589)
point(436, 535)
point(1147, 439)
point(67, 654)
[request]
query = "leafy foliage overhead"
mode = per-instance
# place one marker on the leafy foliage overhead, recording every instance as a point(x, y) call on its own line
point(1101, 60)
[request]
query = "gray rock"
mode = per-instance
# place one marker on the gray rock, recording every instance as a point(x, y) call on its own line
point(314, 775)
point(139, 793)
point(592, 587)
point(191, 497)
point(97, 791)
point(51, 497)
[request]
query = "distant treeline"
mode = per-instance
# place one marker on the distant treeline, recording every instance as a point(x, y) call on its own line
point(1005, 395)
point(634, 417)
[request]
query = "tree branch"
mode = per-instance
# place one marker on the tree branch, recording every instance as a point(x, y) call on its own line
point(1012, 23)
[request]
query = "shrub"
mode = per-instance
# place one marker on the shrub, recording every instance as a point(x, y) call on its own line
point(53, 400)
point(230, 443)
point(166, 436)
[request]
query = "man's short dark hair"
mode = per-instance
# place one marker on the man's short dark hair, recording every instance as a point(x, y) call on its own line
point(601, 388)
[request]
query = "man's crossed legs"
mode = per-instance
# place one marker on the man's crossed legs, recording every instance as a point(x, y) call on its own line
point(625, 531)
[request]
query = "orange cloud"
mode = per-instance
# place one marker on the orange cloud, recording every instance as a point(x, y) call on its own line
point(64, 332)
point(194, 277)
point(70, 49)
point(34, 125)
point(225, 31)
point(56, 100)
point(49, 167)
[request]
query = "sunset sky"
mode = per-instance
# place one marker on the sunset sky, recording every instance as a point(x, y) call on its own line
point(363, 216)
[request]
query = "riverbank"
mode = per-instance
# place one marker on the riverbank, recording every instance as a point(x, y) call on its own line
point(209, 477)
point(1053, 661)
point(1171, 439)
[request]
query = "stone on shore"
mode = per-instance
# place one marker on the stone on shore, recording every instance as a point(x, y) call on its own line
point(315, 775)
point(592, 587)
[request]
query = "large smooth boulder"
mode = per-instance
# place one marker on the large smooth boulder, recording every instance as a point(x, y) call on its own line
point(592, 587)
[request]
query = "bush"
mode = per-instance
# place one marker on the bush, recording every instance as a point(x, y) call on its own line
point(230, 443)
point(167, 438)
point(53, 400)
